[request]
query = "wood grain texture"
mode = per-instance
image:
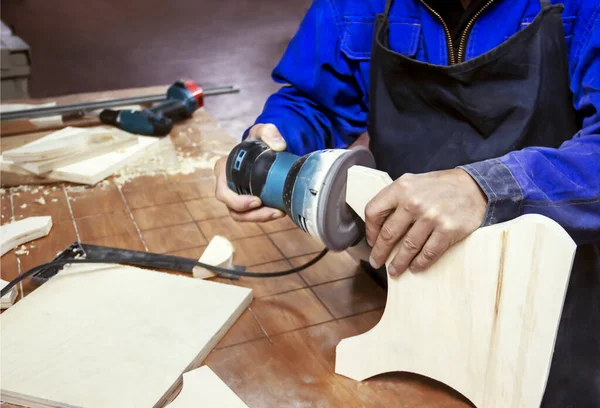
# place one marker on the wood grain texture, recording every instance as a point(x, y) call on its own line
point(17, 233)
point(104, 335)
point(203, 388)
point(219, 252)
point(99, 141)
point(56, 144)
point(89, 171)
point(482, 319)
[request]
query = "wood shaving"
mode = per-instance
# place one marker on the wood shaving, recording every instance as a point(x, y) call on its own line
point(24, 206)
point(40, 201)
point(46, 192)
point(22, 251)
point(55, 200)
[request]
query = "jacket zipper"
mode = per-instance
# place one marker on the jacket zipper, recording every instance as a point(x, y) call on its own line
point(446, 30)
point(463, 39)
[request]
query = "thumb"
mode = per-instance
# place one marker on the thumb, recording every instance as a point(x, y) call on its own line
point(269, 134)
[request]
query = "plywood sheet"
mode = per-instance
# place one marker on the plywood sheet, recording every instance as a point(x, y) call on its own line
point(91, 171)
point(111, 336)
point(100, 141)
point(202, 388)
point(56, 144)
point(482, 319)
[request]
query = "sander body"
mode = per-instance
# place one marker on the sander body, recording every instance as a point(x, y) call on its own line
point(310, 189)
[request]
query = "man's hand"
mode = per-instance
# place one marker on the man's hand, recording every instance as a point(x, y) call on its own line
point(426, 214)
point(246, 207)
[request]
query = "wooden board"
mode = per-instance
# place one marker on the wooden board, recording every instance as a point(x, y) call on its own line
point(111, 336)
point(57, 144)
point(203, 388)
point(16, 233)
point(482, 319)
point(219, 252)
point(94, 170)
point(9, 299)
point(99, 143)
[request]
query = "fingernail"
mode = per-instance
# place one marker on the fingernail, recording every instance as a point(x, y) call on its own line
point(369, 242)
point(374, 264)
point(254, 203)
point(392, 271)
point(277, 215)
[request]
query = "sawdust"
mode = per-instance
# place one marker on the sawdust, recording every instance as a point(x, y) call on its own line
point(55, 200)
point(40, 201)
point(24, 206)
point(22, 251)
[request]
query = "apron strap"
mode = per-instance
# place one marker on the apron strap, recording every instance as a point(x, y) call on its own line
point(388, 7)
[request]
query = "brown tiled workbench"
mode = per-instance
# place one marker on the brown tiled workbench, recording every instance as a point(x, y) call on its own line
point(281, 352)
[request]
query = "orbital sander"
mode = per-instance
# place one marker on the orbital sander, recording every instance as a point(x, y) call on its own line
point(310, 189)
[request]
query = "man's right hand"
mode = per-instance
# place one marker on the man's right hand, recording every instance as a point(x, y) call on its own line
point(247, 208)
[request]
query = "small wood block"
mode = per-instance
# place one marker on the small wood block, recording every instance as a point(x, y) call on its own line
point(483, 319)
point(14, 234)
point(219, 252)
point(203, 388)
point(9, 299)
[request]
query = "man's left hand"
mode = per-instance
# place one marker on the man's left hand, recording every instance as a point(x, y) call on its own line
point(425, 214)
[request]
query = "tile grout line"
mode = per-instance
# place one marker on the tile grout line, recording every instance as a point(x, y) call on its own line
point(335, 319)
point(196, 222)
point(14, 217)
point(137, 228)
point(260, 325)
point(71, 212)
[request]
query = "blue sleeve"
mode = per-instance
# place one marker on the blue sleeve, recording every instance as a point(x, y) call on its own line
point(321, 104)
point(564, 183)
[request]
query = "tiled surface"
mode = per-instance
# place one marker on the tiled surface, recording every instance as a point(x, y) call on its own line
point(161, 216)
point(334, 266)
point(229, 228)
point(351, 296)
point(262, 287)
point(286, 339)
point(206, 209)
point(170, 239)
point(295, 242)
point(290, 311)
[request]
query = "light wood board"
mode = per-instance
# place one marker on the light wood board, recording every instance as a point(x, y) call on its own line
point(219, 252)
point(9, 299)
point(16, 233)
point(203, 388)
point(100, 142)
point(94, 170)
point(111, 336)
point(482, 319)
point(55, 145)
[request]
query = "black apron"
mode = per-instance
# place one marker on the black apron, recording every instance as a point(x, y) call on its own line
point(427, 117)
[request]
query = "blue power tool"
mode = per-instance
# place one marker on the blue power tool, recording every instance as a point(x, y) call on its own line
point(183, 99)
point(310, 189)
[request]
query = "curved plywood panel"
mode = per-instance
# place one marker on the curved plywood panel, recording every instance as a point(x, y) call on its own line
point(482, 319)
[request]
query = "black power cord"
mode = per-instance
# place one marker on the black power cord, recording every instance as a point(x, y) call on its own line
point(216, 269)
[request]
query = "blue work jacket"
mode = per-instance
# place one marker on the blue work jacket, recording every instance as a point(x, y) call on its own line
point(323, 102)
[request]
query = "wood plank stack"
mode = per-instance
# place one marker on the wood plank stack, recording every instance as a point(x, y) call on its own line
point(78, 155)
